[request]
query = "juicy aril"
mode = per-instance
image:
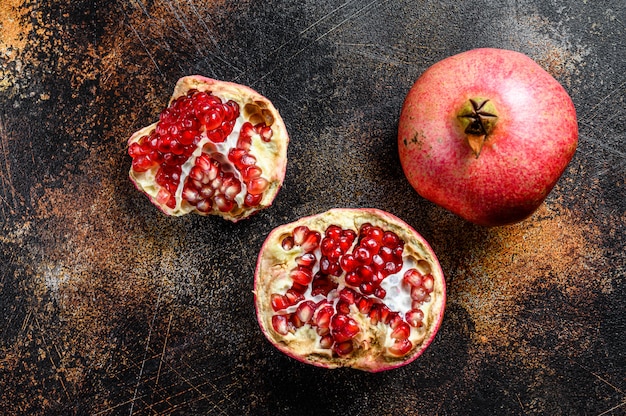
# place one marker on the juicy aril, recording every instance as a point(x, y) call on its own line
point(349, 288)
point(218, 148)
point(486, 134)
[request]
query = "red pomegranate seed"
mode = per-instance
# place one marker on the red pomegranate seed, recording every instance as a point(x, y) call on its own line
point(343, 348)
point(414, 317)
point(327, 341)
point(305, 311)
point(301, 275)
point(365, 305)
point(287, 243)
point(428, 283)
point(390, 239)
point(306, 260)
point(333, 232)
point(311, 241)
point(418, 293)
point(252, 200)
point(279, 302)
point(251, 172)
point(280, 324)
point(299, 234)
point(400, 347)
point(380, 293)
point(343, 327)
point(293, 297)
point(402, 331)
point(353, 279)
point(342, 307)
point(323, 316)
point(412, 277)
point(362, 255)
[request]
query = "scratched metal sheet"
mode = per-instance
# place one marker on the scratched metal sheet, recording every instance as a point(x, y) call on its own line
point(108, 307)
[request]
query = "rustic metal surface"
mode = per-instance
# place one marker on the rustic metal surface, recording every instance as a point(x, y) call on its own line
point(108, 307)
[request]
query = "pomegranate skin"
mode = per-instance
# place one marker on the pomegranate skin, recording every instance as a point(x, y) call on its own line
point(370, 351)
point(523, 155)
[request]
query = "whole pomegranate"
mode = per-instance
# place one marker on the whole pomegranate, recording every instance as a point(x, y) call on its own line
point(349, 288)
point(218, 148)
point(486, 134)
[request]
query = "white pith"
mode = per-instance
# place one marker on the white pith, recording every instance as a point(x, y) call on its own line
point(373, 341)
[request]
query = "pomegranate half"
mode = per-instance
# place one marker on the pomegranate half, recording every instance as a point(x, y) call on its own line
point(218, 148)
point(486, 134)
point(353, 288)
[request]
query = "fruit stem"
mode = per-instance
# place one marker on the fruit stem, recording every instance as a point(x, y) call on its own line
point(478, 117)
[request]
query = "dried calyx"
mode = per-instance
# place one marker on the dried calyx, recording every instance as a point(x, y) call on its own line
point(478, 117)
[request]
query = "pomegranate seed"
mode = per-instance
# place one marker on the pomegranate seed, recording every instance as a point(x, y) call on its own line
point(412, 277)
point(343, 327)
point(280, 324)
point(366, 273)
point(348, 263)
point(295, 321)
point(366, 288)
point(380, 293)
point(342, 307)
point(251, 172)
point(191, 195)
point(402, 331)
point(299, 234)
point(400, 347)
point(306, 260)
point(365, 305)
point(204, 205)
point(343, 348)
point(311, 241)
point(323, 316)
point(287, 243)
point(418, 293)
point(348, 295)
point(414, 317)
point(362, 255)
point(353, 279)
point(326, 341)
point(252, 200)
point(142, 163)
point(293, 297)
point(390, 239)
point(428, 283)
point(301, 275)
point(223, 204)
point(370, 244)
point(305, 311)
point(279, 302)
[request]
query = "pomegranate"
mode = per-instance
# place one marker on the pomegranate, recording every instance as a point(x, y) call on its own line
point(349, 288)
point(486, 134)
point(218, 148)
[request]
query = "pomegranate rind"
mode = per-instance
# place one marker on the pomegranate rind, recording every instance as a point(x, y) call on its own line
point(532, 143)
point(271, 156)
point(370, 353)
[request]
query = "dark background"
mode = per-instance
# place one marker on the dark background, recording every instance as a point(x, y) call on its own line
point(108, 307)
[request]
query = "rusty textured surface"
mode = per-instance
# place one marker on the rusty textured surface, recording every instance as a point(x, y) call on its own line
point(108, 307)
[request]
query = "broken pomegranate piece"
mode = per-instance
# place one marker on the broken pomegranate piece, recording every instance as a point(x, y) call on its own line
point(218, 148)
point(349, 288)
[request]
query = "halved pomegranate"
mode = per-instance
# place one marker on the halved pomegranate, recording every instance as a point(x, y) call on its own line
point(353, 288)
point(218, 148)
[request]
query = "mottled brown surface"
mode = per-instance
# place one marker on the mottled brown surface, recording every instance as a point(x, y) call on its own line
point(108, 307)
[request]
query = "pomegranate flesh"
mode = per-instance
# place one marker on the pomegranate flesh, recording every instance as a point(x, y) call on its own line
point(353, 288)
point(218, 148)
point(486, 134)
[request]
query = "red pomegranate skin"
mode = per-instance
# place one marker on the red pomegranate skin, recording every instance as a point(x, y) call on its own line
point(523, 156)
